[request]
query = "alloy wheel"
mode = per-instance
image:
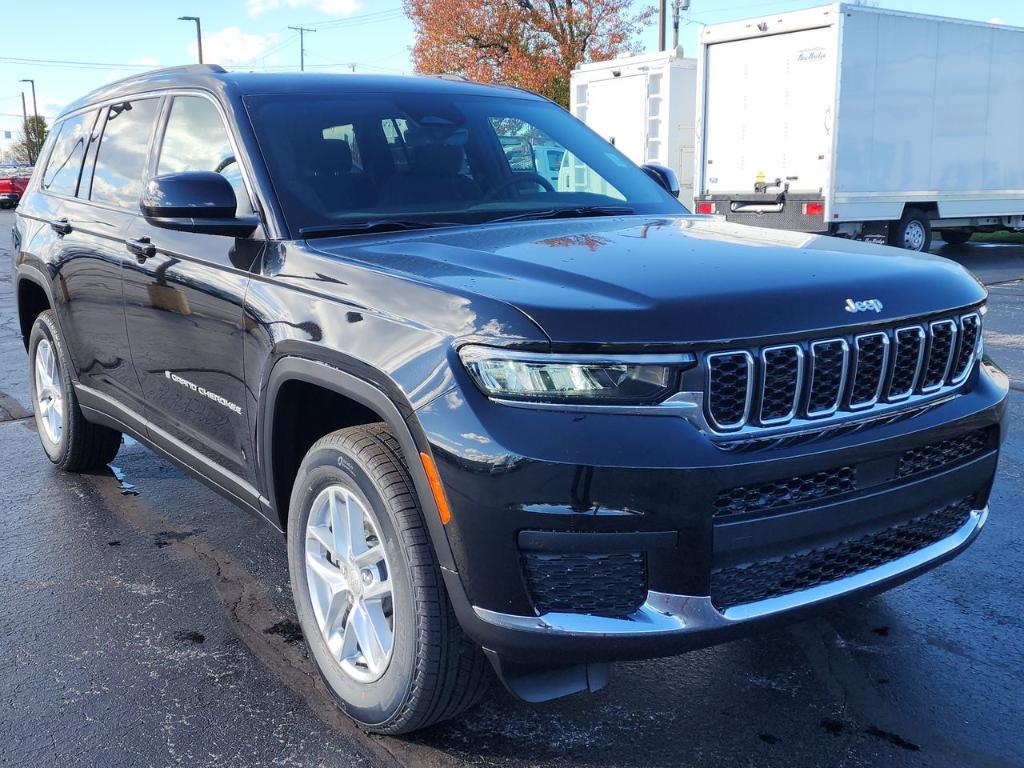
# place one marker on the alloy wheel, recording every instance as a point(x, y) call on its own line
point(49, 394)
point(350, 583)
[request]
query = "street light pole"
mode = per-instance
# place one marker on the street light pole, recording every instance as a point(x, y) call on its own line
point(199, 33)
point(33, 149)
point(302, 45)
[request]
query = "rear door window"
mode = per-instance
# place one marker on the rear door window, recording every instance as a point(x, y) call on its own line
point(65, 163)
point(122, 158)
point(196, 140)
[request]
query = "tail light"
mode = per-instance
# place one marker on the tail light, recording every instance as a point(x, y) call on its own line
point(705, 207)
point(814, 209)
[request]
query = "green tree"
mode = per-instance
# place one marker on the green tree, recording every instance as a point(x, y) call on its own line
point(33, 133)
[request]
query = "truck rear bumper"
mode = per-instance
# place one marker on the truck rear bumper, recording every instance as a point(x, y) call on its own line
point(797, 212)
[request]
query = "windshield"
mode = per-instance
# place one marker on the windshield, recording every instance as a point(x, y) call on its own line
point(366, 160)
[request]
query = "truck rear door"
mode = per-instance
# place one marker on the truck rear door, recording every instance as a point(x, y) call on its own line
point(768, 112)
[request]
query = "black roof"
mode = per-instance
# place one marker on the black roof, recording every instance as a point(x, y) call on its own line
point(215, 78)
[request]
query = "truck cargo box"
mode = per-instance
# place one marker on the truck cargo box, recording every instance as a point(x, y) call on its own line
point(862, 122)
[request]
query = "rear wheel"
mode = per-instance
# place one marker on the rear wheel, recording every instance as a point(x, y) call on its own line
point(71, 442)
point(913, 231)
point(956, 236)
point(368, 588)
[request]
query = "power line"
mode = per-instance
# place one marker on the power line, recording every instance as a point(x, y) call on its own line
point(69, 63)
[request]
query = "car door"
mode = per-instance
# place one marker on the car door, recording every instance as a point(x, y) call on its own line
point(85, 255)
point(183, 305)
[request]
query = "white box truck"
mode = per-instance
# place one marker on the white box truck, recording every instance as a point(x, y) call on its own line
point(645, 106)
point(862, 122)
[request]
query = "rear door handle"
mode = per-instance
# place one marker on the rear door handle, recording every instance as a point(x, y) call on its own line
point(61, 227)
point(142, 248)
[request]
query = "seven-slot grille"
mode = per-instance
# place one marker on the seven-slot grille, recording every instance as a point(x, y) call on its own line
point(817, 378)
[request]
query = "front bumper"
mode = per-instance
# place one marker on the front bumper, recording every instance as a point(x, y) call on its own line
point(653, 479)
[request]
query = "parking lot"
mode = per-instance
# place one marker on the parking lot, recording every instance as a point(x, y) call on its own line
point(146, 621)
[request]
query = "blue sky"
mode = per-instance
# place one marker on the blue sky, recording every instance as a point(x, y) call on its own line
point(113, 38)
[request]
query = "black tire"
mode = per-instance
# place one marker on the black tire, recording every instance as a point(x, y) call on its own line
point(956, 236)
point(913, 231)
point(435, 672)
point(81, 445)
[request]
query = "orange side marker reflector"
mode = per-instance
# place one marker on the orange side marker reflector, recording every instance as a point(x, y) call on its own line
point(436, 488)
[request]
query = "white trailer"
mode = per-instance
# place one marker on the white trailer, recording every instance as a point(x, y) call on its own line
point(645, 106)
point(862, 122)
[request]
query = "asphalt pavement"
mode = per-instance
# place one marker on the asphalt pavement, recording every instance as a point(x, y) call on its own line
point(148, 622)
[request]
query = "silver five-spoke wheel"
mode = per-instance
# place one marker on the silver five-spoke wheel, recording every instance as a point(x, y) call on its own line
point(49, 395)
point(350, 583)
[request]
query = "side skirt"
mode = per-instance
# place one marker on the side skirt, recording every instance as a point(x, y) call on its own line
point(101, 409)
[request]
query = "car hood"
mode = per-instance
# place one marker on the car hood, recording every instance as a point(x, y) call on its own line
point(669, 281)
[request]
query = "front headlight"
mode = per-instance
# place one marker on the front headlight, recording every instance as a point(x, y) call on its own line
point(594, 379)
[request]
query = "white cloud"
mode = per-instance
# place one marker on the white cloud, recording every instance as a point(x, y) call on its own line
point(233, 46)
point(147, 61)
point(332, 7)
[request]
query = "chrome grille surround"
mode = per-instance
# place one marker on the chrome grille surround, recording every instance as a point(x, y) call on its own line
point(970, 342)
point(715, 362)
point(869, 372)
point(941, 333)
point(877, 370)
point(912, 348)
point(818, 351)
point(773, 380)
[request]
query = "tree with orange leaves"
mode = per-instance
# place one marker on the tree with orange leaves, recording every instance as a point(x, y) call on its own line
point(532, 44)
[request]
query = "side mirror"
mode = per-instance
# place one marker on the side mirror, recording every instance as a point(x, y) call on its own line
point(665, 177)
point(194, 201)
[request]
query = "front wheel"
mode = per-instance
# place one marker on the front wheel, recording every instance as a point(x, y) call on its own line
point(368, 589)
point(913, 231)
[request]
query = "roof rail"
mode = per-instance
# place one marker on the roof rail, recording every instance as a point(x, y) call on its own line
point(185, 69)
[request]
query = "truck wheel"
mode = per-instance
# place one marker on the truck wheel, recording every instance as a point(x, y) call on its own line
point(368, 588)
point(956, 236)
point(71, 442)
point(913, 231)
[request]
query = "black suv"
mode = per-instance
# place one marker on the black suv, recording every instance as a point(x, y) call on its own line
point(501, 417)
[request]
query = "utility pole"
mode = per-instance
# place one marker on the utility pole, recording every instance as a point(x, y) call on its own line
point(33, 149)
point(199, 33)
point(662, 13)
point(302, 45)
point(28, 142)
point(677, 6)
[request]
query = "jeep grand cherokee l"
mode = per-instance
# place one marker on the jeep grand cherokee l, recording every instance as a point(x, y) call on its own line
point(545, 425)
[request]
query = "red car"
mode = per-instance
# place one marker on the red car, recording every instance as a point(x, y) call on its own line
point(11, 190)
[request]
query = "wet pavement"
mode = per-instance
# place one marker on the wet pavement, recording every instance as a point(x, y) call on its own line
point(152, 625)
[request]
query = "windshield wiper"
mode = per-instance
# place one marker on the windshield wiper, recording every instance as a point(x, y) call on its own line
point(374, 225)
point(568, 213)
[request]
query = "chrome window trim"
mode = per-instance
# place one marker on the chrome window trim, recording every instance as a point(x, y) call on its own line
point(797, 391)
point(842, 378)
point(881, 379)
point(974, 352)
point(750, 389)
point(664, 613)
point(949, 358)
point(242, 158)
point(922, 344)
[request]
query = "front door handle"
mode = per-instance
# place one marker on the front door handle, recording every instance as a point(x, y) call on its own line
point(61, 227)
point(142, 248)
